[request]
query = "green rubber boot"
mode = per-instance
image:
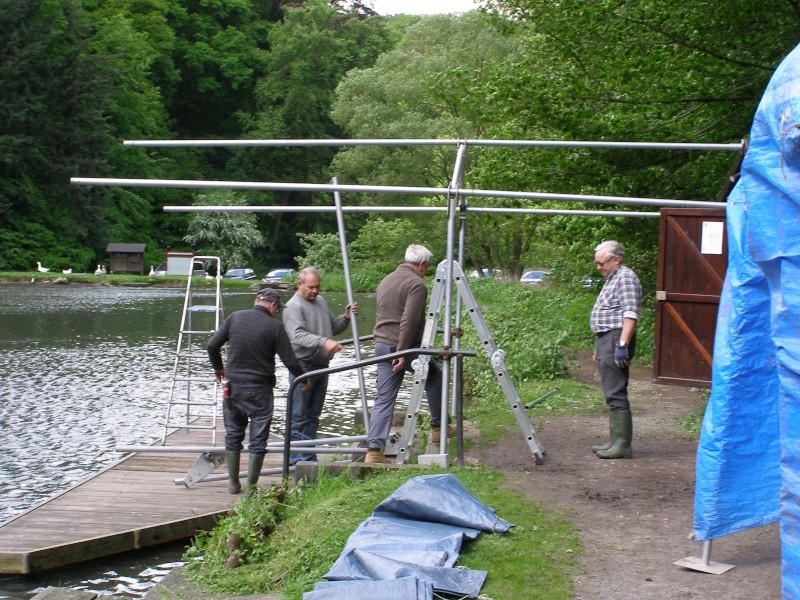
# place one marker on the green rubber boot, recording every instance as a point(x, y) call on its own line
point(232, 460)
point(254, 471)
point(621, 434)
point(607, 445)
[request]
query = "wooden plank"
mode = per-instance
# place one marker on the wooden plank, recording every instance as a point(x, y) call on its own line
point(129, 505)
point(56, 593)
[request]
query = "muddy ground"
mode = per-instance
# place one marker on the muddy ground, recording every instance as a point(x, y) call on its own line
point(634, 517)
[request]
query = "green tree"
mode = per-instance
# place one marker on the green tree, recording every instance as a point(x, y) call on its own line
point(433, 85)
point(382, 242)
point(53, 124)
point(310, 51)
point(631, 70)
point(218, 50)
point(232, 236)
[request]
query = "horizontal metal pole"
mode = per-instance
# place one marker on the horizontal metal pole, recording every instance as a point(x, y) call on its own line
point(220, 477)
point(734, 147)
point(272, 447)
point(413, 209)
point(363, 189)
point(567, 212)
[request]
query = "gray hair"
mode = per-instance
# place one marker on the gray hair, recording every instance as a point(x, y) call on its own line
point(301, 277)
point(612, 249)
point(416, 254)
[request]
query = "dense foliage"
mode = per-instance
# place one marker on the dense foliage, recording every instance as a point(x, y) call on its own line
point(78, 77)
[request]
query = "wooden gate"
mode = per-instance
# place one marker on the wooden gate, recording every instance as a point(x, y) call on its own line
point(692, 260)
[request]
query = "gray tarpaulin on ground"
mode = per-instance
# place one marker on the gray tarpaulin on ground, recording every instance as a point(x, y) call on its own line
point(408, 547)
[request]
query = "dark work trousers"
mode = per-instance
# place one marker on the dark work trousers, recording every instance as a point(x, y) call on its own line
point(388, 384)
point(248, 401)
point(306, 410)
point(613, 379)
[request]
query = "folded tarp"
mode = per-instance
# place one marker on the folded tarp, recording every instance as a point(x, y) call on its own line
point(441, 499)
point(415, 534)
point(405, 588)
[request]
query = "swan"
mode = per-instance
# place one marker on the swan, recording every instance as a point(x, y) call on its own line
point(67, 271)
point(152, 271)
point(100, 270)
point(40, 268)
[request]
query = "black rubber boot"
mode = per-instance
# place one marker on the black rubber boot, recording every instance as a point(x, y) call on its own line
point(607, 445)
point(254, 471)
point(232, 460)
point(621, 434)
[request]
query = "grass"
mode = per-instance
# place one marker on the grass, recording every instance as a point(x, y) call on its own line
point(537, 555)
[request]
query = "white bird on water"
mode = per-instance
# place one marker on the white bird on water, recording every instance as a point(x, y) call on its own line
point(66, 271)
point(40, 268)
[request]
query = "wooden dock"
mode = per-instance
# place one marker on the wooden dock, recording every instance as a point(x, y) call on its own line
point(132, 504)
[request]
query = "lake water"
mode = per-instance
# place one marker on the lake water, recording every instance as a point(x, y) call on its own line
point(88, 368)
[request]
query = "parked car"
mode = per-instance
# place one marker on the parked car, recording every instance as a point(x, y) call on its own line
point(277, 275)
point(588, 281)
point(198, 269)
point(240, 273)
point(534, 277)
point(475, 273)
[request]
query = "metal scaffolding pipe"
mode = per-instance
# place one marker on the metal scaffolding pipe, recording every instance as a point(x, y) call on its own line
point(220, 477)
point(362, 388)
point(377, 189)
point(272, 447)
point(415, 209)
point(732, 147)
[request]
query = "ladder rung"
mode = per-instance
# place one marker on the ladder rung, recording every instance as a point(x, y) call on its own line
point(190, 354)
point(188, 379)
point(204, 331)
point(203, 308)
point(172, 425)
point(182, 403)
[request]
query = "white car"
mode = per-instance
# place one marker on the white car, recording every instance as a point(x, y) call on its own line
point(241, 273)
point(277, 275)
point(534, 277)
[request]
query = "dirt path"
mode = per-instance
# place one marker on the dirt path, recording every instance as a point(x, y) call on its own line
point(634, 516)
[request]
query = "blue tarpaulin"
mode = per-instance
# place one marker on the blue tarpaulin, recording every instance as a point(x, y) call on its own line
point(748, 458)
point(410, 544)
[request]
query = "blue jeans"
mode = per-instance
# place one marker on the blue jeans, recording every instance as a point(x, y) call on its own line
point(306, 410)
point(388, 384)
point(251, 402)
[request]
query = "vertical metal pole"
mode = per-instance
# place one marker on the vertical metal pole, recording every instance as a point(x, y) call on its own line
point(706, 557)
point(349, 287)
point(458, 389)
point(448, 332)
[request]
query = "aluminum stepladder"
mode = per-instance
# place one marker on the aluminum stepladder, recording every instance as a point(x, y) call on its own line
point(496, 357)
point(189, 406)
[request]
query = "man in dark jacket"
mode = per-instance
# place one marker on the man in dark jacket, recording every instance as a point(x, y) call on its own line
point(399, 324)
point(253, 337)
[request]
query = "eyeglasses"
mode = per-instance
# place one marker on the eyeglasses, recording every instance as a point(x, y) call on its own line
point(604, 263)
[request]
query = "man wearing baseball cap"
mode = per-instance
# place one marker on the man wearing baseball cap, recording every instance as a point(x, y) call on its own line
point(253, 336)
